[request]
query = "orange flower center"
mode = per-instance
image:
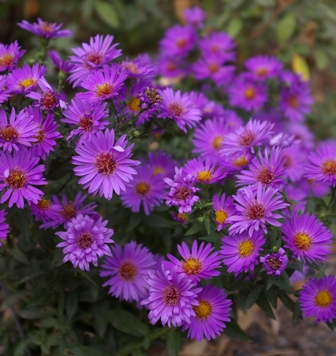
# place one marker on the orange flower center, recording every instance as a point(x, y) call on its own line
point(204, 176)
point(265, 176)
point(43, 204)
point(9, 133)
point(134, 104)
point(302, 241)
point(142, 188)
point(192, 266)
point(128, 271)
point(49, 100)
point(246, 248)
point(329, 167)
point(250, 93)
point(262, 72)
point(203, 310)
point(6, 60)
point(86, 123)
point(216, 143)
point(293, 102)
point(16, 179)
point(104, 89)
point(221, 216)
point(105, 163)
point(323, 298)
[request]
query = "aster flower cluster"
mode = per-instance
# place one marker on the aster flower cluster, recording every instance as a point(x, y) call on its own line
point(150, 164)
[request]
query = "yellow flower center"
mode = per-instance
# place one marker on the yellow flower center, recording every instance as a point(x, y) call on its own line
point(9, 134)
point(204, 176)
point(329, 167)
point(192, 266)
point(134, 104)
point(323, 299)
point(262, 72)
point(43, 204)
point(221, 216)
point(104, 89)
point(6, 60)
point(246, 248)
point(183, 217)
point(203, 310)
point(240, 161)
point(132, 67)
point(302, 241)
point(216, 143)
point(16, 179)
point(250, 93)
point(69, 211)
point(213, 68)
point(142, 188)
point(26, 83)
point(157, 170)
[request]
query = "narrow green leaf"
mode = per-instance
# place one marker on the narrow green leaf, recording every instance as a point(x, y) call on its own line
point(252, 297)
point(194, 229)
point(272, 296)
point(234, 27)
point(297, 314)
point(107, 13)
point(321, 271)
point(269, 283)
point(287, 302)
point(173, 342)
point(321, 59)
point(286, 27)
point(207, 224)
point(264, 305)
point(233, 330)
point(71, 303)
point(19, 256)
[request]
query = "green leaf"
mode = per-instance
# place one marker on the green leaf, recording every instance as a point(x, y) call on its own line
point(286, 27)
point(194, 229)
point(252, 297)
point(89, 351)
point(321, 59)
point(264, 305)
point(283, 282)
point(207, 224)
point(321, 271)
point(49, 323)
point(126, 322)
point(233, 330)
point(234, 27)
point(35, 313)
point(107, 13)
point(287, 302)
point(269, 283)
point(71, 304)
point(272, 296)
point(19, 256)
point(297, 314)
point(173, 342)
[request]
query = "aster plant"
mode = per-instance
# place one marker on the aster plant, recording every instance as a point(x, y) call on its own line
point(210, 184)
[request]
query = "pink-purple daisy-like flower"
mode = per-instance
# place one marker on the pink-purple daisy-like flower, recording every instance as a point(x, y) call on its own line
point(45, 210)
point(88, 116)
point(275, 263)
point(85, 240)
point(138, 69)
point(17, 131)
point(126, 270)
point(92, 56)
point(307, 237)
point(240, 252)
point(9, 55)
point(180, 108)
point(19, 173)
point(103, 84)
point(4, 227)
point(4, 93)
point(212, 312)
point(198, 263)
point(146, 189)
point(322, 163)
point(255, 209)
point(247, 93)
point(318, 297)
point(182, 191)
point(205, 171)
point(171, 67)
point(254, 133)
point(223, 208)
point(264, 67)
point(218, 43)
point(194, 16)
point(268, 169)
point(161, 164)
point(172, 296)
point(24, 80)
point(104, 165)
point(45, 29)
point(295, 157)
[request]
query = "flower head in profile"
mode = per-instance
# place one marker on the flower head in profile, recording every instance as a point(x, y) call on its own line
point(4, 227)
point(92, 56)
point(19, 174)
point(180, 108)
point(45, 210)
point(104, 165)
point(171, 298)
point(45, 29)
point(223, 208)
point(240, 252)
point(307, 237)
point(182, 191)
point(255, 209)
point(264, 67)
point(212, 312)
point(318, 297)
point(146, 189)
point(85, 240)
point(126, 270)
point(9, 55)
point(275, 263)
point(61, 64)
point(200, 262)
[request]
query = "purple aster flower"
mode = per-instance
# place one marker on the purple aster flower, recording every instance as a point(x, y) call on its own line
point(275, 263)
point(145, 188)
point(268, 169)
point(161, 164)
point(19, 173)
point(9, 55)
point(255, 209)
point(104, 166)
point(179, 107)
point(254, 133)
point(210, 109)
point(307, 237)
point(45, 210)
point(211, 313)
point(223, 207)
point(24, 80)
point(218, 43)
point(69, 209)
point(104, 83)
point(45, 29)
point(322, 163)
point(194, 16)
point(49, 99)
point(4, 227)
point(181, 218)
point(318, 297)
point(182, 191)
point(17, 130)
point(240, 252)
point(92, 56)
point(4, 93)
point(236, 162)
point(171, 67)
point(88, 116)
point(264, 67)
point(296, 196)
point(295, 156)
point(47, 132)
point(126, 270)
point(198, 263)
point(61, 64)
point(178, 41)
point(247, 93)
point(138, 69)
point(296, 101)
point(172, 296)
point(85, 240)
point(205, 171)
point(301, 133)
